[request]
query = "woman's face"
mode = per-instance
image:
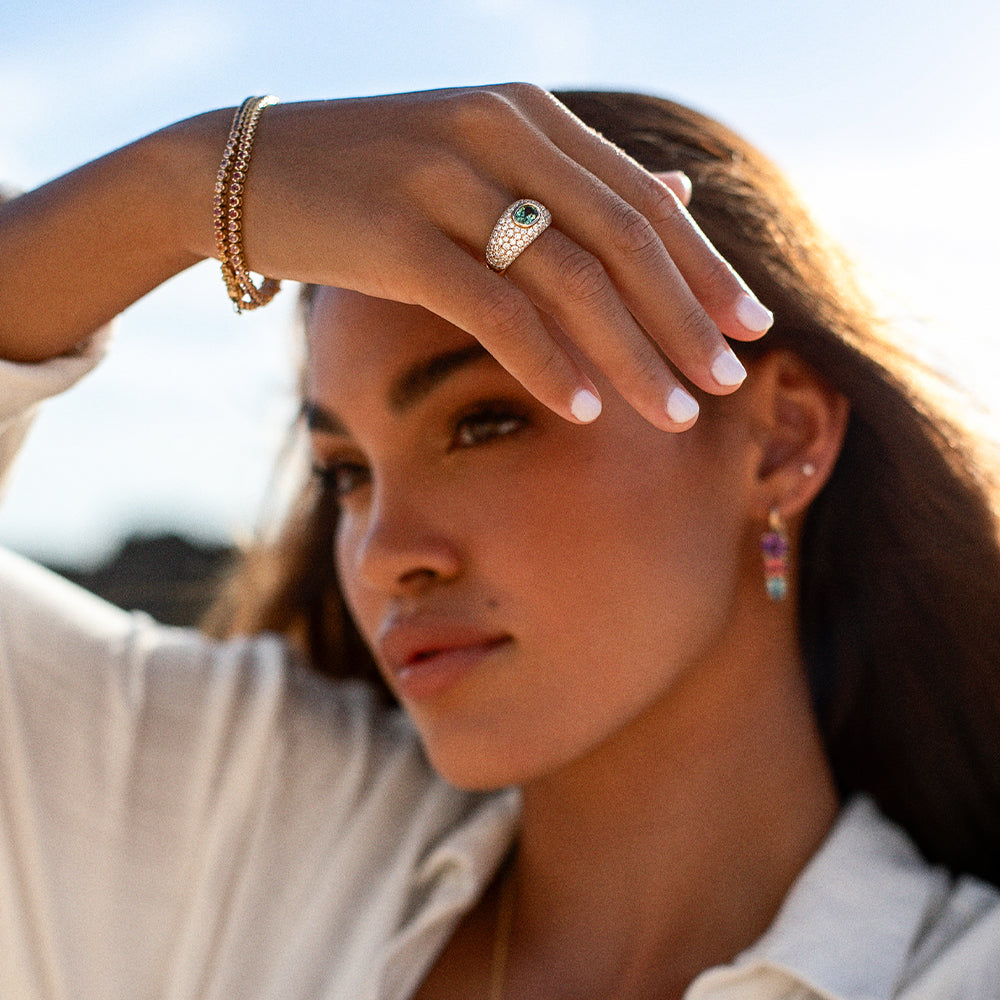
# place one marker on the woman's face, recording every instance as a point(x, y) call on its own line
point(530, 588)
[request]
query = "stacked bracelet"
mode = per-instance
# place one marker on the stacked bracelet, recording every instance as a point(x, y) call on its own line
point(228, 209)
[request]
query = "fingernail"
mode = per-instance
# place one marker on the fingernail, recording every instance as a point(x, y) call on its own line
point(727, 370)
point(681, 405)
point(685, 184)
point(677, 178)
point(586, 407)
point(753, 316)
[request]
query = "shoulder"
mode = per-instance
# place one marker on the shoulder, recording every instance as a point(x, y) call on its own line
point(82, 677)
point(869, 918)
point(64, 651)
point(242, 725)
point(202, 784)
point(904, 928)
point(957, 952)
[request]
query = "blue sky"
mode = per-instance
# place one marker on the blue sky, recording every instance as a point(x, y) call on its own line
point(886, 115)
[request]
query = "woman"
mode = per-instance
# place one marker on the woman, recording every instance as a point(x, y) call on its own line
point(706, 745)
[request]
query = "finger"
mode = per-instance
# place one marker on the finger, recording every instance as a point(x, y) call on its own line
point(678, 182)
point(675, 296)
point(507, 323)
point(666, 300)
point(728, 299)
point(715, 283)
point(571, 285)
point(508, 129)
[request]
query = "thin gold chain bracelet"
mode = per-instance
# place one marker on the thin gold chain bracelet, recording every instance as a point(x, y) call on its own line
point(227, 209)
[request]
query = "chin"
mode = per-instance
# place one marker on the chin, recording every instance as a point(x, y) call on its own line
point(489, 762)
point(475, 773)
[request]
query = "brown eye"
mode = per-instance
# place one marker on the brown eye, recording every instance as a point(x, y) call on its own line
point(342, 478)
point(486, 424)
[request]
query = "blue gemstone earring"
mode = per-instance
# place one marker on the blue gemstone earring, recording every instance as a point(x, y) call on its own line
point(774, 547)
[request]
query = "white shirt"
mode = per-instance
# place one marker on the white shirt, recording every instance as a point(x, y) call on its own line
point(181, 818)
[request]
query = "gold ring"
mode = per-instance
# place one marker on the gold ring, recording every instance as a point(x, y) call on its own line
point(521, 224)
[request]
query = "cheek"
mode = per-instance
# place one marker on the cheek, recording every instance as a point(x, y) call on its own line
point(346, 540)
point(614, 594)
point(640, 562)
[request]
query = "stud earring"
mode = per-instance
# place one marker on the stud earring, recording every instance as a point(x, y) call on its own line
point(774, 547)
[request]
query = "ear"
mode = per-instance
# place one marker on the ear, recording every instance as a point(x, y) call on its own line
point(798, 426)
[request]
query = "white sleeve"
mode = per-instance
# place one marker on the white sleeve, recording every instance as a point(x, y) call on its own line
point(24, 386)
point(181, 818)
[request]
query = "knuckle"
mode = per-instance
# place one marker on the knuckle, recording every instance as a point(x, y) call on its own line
point(473, 110)
point(634, 235)
point(647, 378)
point(720, 281)
point(664, 206)
point(520, 92)
point(537, 362)
point(694, 328)
point(504, 312)
point(546, 366)
point(583, 278)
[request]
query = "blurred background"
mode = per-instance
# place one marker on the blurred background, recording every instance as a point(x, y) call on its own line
point(886, 115)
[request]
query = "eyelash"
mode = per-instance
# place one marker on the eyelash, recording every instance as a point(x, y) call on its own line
point(341, 478)
point(482, 424)
point(498, 418)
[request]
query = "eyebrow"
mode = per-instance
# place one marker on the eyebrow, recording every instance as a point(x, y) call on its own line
point(408, 388)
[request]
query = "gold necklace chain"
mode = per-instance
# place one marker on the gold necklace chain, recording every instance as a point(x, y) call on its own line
point(501, 937)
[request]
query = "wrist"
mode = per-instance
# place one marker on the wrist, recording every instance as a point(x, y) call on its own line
point(183, 161)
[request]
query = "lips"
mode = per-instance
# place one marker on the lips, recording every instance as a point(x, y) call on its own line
point(423, 659)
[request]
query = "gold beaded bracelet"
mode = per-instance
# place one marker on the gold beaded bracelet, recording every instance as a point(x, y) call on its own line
point(227, 209)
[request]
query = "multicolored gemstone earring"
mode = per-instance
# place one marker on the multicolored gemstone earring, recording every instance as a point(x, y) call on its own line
point(774, 547)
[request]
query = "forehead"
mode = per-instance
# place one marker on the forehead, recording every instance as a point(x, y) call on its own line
point(350, 336)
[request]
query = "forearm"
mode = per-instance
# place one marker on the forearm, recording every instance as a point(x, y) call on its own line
point(395, 197)
point(78, 251)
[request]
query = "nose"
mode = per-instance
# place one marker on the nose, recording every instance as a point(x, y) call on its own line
point(398, 551)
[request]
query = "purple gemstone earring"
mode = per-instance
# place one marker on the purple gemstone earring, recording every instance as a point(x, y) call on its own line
point(774, 546)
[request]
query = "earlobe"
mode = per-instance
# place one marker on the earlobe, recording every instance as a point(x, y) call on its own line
point(801, 423)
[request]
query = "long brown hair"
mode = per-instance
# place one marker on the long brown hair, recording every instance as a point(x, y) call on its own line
point(899, 564)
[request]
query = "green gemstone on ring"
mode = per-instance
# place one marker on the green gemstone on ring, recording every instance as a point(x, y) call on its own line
point(526, 215)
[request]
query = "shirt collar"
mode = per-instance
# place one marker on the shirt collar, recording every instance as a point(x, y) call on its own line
point(844, 931)
point(848, 923)
point(445, 884)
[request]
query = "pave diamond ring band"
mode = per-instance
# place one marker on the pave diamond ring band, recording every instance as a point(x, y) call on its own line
point(520, 224)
